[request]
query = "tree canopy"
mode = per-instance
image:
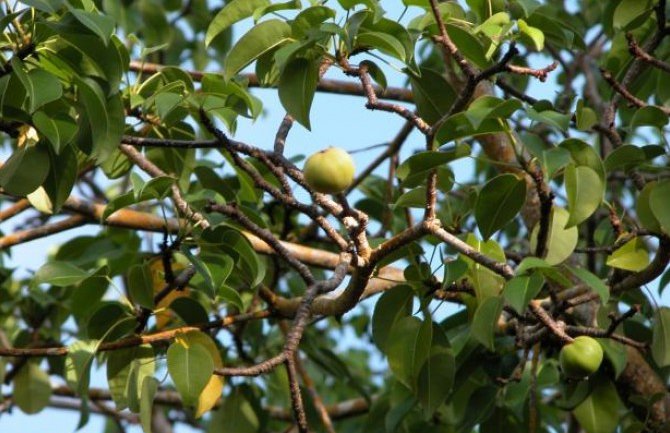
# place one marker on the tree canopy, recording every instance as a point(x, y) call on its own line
point(416, 299)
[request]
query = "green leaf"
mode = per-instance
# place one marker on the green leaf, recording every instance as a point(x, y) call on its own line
point(593, 282)
point(599, 413)
point(60, 274)
point(519, 291)
point(485, 321)
point(310, 19)
point(297, 86)
point(561, 241)
point(237, 414)
point(498, 203)
point(376, 73)
point(126, 370)
point(101, 25)
point(48, 88)
point(624, 157)
point(190, 311)
point(190, 368)
point(62, 176)
point(384, 42)
point(413, 171)
point(486, 282)
point(232, 12)
point(632, 256)
point(105, 117)
point(549, 117)
point(660, 342)
point(532, 36)
point(149, 388)
point(585, 117)
point(260, 39)
point(468, 45)
point(436, 380)
point(459, 126)
point(660, 205)
point(287, 5)
point(78, 364)
point(585, 192)
point(529, 263)
point(616, 353)
point(32, 389)
point(25, 170)
point(111, 320)
point(140, 286)
point(490, 107)
point(584, 155)
point(414, 198)
point(407, 348)
point(627, 11)
point(554, 159)
point(433, 94)
point(649, 116)
point(203, 270)
point(393, 305)
point(49, 6)
point(58, 128)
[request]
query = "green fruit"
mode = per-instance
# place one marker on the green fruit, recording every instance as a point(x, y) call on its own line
point(329, 171)
point(581, 358)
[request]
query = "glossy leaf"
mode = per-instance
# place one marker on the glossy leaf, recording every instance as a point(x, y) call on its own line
point(519, 291)
point(660, 205)
point(643, 208)
point(627, 11)
point(407, 348)
point(498, 203)
point(432, 93)
point(435, 380)
point(296, 88)
point(486, 282)
point(632, 256)
point(149, 388)
point(212, 390)
point(25, 170)
point(260, 39)
point(413, 171)
point(384, 42)
point(190, 367)
point(232, 12)
point(485, 321)
point(60, 274)
point(126, 371)
point(532, 35)
point(599, 412)
point(140, 286)
point(660, 344)
point(585, 192)
point(561, 241)
point(78, 364)
point(393, 305)
point(595, 283)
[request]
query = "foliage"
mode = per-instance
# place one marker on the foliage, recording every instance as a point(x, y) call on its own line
point(478, 281)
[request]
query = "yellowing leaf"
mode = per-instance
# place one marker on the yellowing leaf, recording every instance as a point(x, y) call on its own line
point(163, 314)
point(633, 256)
point(212, 391)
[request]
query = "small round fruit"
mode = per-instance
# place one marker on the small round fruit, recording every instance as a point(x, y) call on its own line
point(581, 358)
point(329, 171)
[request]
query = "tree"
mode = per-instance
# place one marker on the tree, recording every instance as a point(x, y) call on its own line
point(232, 323)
